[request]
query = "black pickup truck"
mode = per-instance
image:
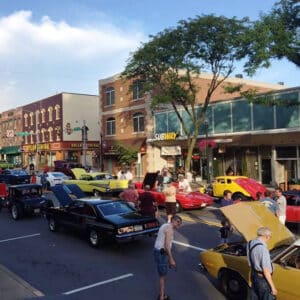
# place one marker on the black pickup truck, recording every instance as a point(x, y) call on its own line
point(14, 176)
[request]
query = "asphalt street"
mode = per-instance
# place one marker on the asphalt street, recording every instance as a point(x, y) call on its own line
point(36, 263)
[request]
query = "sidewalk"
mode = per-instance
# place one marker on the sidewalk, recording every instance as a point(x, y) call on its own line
point(13, 287)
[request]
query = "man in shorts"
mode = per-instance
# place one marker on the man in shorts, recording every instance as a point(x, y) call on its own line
point(162, 252)
point(170, 194)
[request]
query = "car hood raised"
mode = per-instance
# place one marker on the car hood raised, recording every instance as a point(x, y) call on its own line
point(247, 217)
point(78, 172)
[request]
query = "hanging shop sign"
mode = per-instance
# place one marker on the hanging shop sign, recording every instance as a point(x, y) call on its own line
point(170, 150)
point(165, 136)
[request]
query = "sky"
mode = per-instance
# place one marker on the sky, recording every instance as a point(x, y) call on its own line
point(49, 47)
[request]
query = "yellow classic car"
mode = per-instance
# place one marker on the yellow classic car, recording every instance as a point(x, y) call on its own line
point(97, 183)
point(241, 187)
point(228, 262)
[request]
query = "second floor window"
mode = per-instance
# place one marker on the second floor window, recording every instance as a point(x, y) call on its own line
point(111, 126)
point(137, 89)
point(138, 122)
point(110, 96)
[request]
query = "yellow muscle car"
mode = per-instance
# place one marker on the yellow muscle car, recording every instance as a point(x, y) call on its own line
point(97, 183)
point(228, 262)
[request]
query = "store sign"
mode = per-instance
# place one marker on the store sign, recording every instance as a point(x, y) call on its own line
point(171, 150)
point(165, 136)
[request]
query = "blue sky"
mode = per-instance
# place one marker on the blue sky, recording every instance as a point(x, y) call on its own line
point(48, 47)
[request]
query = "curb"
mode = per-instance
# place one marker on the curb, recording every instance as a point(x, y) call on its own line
point(20, 282)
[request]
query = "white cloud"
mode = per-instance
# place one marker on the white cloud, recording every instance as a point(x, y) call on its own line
point(38, 54)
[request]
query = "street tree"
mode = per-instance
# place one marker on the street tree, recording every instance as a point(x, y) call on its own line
point(277, 35)
point(170, 63)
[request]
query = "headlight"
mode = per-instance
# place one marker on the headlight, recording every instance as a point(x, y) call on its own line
point(125, 229)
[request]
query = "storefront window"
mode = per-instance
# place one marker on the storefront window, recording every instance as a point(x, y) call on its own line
point(287, 116)
point(222, 118)
point(173, 122)
point(262, 117)
point(187, 122)
point(241, 116)
point(161, 123)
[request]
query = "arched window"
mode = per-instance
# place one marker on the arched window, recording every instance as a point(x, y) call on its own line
point(37, 116)
point(138, 122)
point(50, 112)
point(50, 134)
point(57, 112)
point(111, 126)
point(43, 112)
point(137, 89)
point(26, 119)
point(31, 118)
point(110, 96)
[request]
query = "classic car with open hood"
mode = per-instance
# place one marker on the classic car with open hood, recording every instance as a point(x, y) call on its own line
point(99, 220)
point(99, 183)
point(228, 262)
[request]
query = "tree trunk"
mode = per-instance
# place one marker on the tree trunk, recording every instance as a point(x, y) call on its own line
point(191, 145)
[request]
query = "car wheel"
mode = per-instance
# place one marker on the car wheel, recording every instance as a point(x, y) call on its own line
point(233, 285)
point(97, 193)
point(16, 212)
point(178, 207)
point(239, 196)
point(53, 225)
point(94, 238)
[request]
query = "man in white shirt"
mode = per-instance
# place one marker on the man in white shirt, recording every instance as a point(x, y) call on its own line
point(162, 252)
point(281, 201)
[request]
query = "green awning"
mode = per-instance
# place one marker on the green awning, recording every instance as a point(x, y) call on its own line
point(10, 150)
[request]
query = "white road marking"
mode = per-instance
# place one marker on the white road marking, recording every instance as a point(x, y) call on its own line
point(188, 246)
point(98, 283)
point(20, 237)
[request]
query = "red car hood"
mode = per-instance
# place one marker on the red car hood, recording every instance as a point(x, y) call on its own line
point(251, 186)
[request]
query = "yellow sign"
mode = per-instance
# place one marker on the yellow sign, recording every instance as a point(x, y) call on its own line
point(165, 136)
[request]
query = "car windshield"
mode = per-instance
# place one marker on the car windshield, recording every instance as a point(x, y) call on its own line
point(103, 176)
point(114, 208)
point(28, 192)
point(18, 172)
point(58, 174)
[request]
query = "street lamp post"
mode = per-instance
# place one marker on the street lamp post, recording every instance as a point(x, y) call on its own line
point(84, 130)
point(206, 151)
point(101, 153)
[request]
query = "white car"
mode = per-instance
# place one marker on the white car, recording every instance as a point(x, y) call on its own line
point(53, 178)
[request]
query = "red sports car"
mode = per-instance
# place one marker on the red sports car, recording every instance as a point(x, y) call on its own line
point(293, 206)
point(190, 200)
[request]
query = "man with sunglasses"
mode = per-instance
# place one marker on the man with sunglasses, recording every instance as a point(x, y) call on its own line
point(259, 260)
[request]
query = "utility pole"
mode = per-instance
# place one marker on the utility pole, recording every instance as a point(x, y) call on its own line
point(206, 151)
point(84, 130)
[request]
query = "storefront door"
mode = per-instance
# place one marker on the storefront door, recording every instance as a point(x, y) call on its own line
point(266, 171)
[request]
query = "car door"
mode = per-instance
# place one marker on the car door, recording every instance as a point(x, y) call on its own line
point(75, 215)
point(286, 276)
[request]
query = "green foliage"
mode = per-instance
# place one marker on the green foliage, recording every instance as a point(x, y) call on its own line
point(172, 60)
point(126, 156)
point(276, 35)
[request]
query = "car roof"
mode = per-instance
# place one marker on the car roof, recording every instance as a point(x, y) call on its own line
point(247, 217)
point(231, 177)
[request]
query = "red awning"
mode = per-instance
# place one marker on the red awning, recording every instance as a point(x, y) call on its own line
point(207, 143)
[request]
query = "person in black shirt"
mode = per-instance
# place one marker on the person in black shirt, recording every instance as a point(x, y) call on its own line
point(225, 231)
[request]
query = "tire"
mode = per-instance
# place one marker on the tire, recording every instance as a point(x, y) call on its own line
point(94, 238)
point(178, 207)
point(96, 193)
point(239, 196)
point(233, 285)
point(16, 212)
point(53, 225)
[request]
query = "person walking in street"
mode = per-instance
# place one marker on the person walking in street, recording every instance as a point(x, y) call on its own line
point(170, 194)
point(281, 201)
point(163, 252)
point(270, 203)
point(226, 200)
point(259, 260)
point(146, 203)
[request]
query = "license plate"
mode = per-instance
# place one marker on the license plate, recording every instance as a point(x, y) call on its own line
point(36, 210)
point(138, 227)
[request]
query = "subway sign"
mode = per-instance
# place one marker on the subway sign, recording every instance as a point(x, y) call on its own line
point(167, 136)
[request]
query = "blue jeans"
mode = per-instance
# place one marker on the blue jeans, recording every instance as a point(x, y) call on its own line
point(162, 262)
point(260, 288)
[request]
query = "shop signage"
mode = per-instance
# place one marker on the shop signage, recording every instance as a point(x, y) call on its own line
point(171, 150)
point(79, 145)
point(165, 136)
